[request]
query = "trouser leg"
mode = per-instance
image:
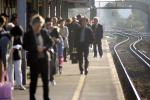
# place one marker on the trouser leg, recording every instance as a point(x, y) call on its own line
point(18, 72)
point(80, 57)
point(51, 73)
point(64, 53)
point(33, 82)
point(44, 73)
point(70, 49)
point(10, 71)
point(94, 48)
point(86, 53)
point(100, 49)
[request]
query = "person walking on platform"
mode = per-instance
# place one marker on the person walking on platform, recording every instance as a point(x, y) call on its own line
point(16, 57)
point(64, 34)
point(83, 38)
point(72, 31)
point(37, 42)
point(98, 32)
point(53, 32)
point(55, 20)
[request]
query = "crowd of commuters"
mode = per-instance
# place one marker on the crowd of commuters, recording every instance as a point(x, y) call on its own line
point(47, 42)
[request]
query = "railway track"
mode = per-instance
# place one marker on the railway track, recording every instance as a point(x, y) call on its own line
point(135, 66)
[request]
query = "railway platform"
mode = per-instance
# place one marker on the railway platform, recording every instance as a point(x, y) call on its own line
point(101, 83)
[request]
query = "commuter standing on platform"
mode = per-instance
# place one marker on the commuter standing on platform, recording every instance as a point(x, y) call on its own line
point(14, 20)
point(16, 58)
point(98, 32)
point(53, 32)
point(72, 31)
point(83, 38)
point(37, 42)
point(64, 34)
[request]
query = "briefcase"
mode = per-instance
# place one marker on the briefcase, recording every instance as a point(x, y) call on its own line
point(74, 57)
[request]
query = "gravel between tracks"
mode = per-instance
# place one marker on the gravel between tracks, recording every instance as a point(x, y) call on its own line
point(138, 72)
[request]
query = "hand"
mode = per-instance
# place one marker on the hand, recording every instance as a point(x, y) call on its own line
point(39, 48)
point(5, 68)
point(56, 39)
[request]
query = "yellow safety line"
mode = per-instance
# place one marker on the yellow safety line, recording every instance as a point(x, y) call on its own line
point(79, 88)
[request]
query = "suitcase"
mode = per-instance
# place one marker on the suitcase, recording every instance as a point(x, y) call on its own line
point(74, 57)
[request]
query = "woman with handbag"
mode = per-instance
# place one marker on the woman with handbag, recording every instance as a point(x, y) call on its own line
point(37, 42)
point(53, 32)
point(64, 33)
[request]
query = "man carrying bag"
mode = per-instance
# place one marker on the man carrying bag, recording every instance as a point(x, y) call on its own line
point(83, 38)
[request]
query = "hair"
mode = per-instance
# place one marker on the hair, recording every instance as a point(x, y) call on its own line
point(34, 11)
point(79, 16)
point(48, 19)
point(85, 19)
point(96, 18)
point(61, 20)
point(37, 19)
point(68, 20)
point(2, 20)
point(10, 26)
point(13, 18)
point(17, 30)
point(56, 18)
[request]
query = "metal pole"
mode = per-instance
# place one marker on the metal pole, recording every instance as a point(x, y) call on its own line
point(52, 8)
point(58, 8)
point(21, 15)
point(35, 5)
point(44, 8)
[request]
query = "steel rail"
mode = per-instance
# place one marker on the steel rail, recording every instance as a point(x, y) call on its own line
point(132, 85)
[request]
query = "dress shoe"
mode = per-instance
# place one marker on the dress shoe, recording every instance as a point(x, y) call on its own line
point(86, 71)
point(82, 72)
point(65, 60)
point(101, 56)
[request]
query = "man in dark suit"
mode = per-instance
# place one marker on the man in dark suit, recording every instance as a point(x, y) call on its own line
point(98, 32)
point(83, 38)
point(72, 30)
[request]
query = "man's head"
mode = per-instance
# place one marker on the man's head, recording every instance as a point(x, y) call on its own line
point(68, 20)
point(79, 17)
point(61, 22)
point(2, 21)
point(10, 26)
point(74, 19)
point(33, 13)
point(84, 22)
point(55, 21)
point(16, 31)
point(49, 22)
point(14, 20)
point(95, 20)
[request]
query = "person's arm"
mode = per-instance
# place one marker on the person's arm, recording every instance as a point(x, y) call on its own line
point(92, 37)
point(49, 41)
point(4, 49)
point(101, 31)
point(27, 45)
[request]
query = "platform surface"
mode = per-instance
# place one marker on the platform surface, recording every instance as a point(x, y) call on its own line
point(101, 83)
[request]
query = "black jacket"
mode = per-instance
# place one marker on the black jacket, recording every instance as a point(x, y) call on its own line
point(17, 53)
point(73, 27)
point(99, 32)
point(29, 44)
point(89, 37)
